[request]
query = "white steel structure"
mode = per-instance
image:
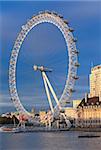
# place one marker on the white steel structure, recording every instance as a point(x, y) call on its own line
point(48, 86)
point(57, 20)
point(58, 110)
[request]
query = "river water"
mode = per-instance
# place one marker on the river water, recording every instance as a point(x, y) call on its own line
point(67, 140)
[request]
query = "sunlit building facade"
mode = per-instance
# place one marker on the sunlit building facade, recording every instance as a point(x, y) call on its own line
point(95, 81)
point(76, 103)
point(89, 109)
point(71, 114)
point(42, 115)
point(89, 113)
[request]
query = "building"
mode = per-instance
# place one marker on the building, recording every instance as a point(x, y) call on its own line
point(42, 115)
point(89, 113)
point(95, 81)
point(70, 112)
point(76, 103)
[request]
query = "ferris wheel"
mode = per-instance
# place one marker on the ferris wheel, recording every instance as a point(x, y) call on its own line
point(62, 25)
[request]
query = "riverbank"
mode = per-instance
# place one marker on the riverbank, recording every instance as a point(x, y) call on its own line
point(30, 128)
point(8, 120)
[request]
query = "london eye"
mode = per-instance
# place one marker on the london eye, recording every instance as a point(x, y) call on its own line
point(67, 32)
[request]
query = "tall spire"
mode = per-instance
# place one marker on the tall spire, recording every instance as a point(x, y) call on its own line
point(92, 64)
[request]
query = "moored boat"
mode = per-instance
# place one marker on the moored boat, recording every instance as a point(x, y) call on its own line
point(88, 136)
point(6, 129)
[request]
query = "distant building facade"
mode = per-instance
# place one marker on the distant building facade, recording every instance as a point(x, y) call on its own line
point(89, 113)
point(76, 103)
point(42, 115)
point(95, 81)
point(71, 114)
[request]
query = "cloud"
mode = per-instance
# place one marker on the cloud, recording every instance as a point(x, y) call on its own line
point(4, 104)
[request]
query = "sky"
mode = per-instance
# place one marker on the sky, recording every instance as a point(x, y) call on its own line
point(45, 45)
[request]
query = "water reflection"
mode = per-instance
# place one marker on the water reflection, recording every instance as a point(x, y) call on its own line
point(49, 141)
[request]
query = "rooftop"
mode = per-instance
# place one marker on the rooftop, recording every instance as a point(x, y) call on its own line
point(96, 67)
point(90, 101)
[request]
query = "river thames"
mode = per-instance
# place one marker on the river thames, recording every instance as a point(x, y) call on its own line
point(67, 140)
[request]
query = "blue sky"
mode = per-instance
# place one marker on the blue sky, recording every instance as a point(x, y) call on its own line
point(45, 45)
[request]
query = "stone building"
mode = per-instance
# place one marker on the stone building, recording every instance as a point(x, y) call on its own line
point(89, 113)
